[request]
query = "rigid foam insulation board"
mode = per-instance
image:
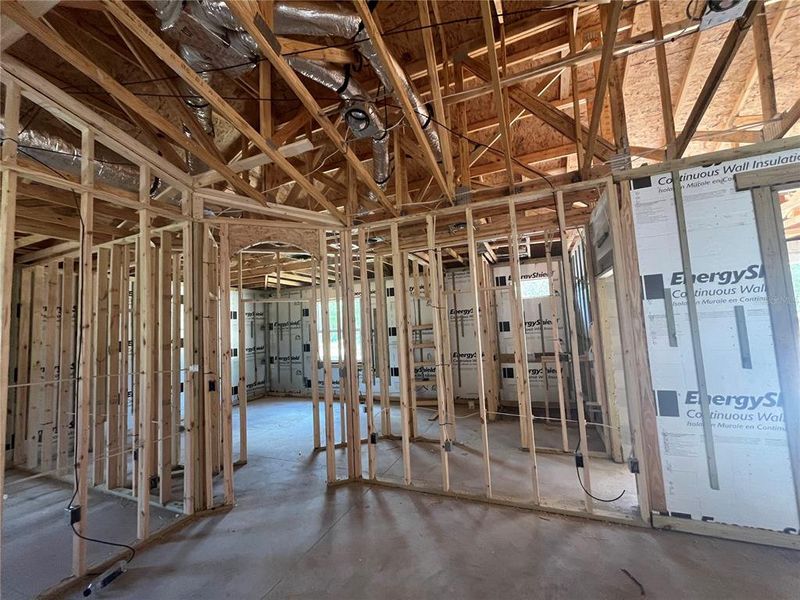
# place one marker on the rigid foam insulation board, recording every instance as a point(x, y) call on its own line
point(747, 420)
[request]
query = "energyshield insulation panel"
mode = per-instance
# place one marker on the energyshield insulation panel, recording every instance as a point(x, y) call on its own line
point(746, 406)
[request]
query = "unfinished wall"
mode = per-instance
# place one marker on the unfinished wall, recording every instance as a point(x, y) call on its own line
point(288, 349)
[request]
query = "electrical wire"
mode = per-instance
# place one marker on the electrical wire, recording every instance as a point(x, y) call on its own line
point(580, 481)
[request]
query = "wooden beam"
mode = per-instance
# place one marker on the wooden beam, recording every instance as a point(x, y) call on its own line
point(400, 180)
point(99, 443)
point(716, 75)
point(252, 162)
point(191, 501)
point(117, 405)
point(144, 361)
point(265, 120)
point(500, 106)
point(8, 206)
point(366, 349)
point(434, 289)
point(256, 27)
point(766, 78)
point(85, 357)
point(436, 92)
point(330, 434)
point(403, 348)
point(461, 127)
point(663, 77)
point(609, 37)
point(524, 397)
point(165, 367)
point(225, 350)
point(242, 355)
point(310, 51)
point(474, 265)
point(576, 107)
point(393, 71)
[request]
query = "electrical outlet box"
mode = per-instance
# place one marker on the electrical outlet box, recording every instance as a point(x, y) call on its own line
point(73, 514)
point(579, 460)
point(633, 465)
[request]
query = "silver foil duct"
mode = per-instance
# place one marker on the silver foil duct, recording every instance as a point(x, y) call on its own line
point(58, 154)
point(367, 50)
point(359, 113)
point(315, 19)
point(198, 105)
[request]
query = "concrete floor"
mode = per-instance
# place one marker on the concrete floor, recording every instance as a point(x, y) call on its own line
point(37, 542)
point(510, 466)
point(291, 537)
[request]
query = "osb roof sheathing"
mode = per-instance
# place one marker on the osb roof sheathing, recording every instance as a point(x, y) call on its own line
point(642, 96)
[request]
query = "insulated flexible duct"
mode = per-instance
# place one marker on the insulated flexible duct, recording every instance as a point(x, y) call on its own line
point(360, 114)
point(217, 39)
point(58, 154)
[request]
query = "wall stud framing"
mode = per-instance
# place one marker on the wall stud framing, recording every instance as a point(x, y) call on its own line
point(226, 389)
point(435, 286)
point(576, 370)
point(382, 345)
point(116, 403)
point(366, 349)
point(164, 403)
point(524, 396)
point(398, 277)
point(23, 377)
point(554, 302)
point(85, 356)
point(330, 433)
point(474, 267)
point(145, 361)
point(317, 279)
point(242, 385)
point(8, 208)
point(100, 448)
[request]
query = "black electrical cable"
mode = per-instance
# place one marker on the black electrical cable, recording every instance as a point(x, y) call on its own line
point(580, 481)
point(690, 12)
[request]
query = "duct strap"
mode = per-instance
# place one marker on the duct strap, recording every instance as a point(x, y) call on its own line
point(345, 82)
point(429, 117)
